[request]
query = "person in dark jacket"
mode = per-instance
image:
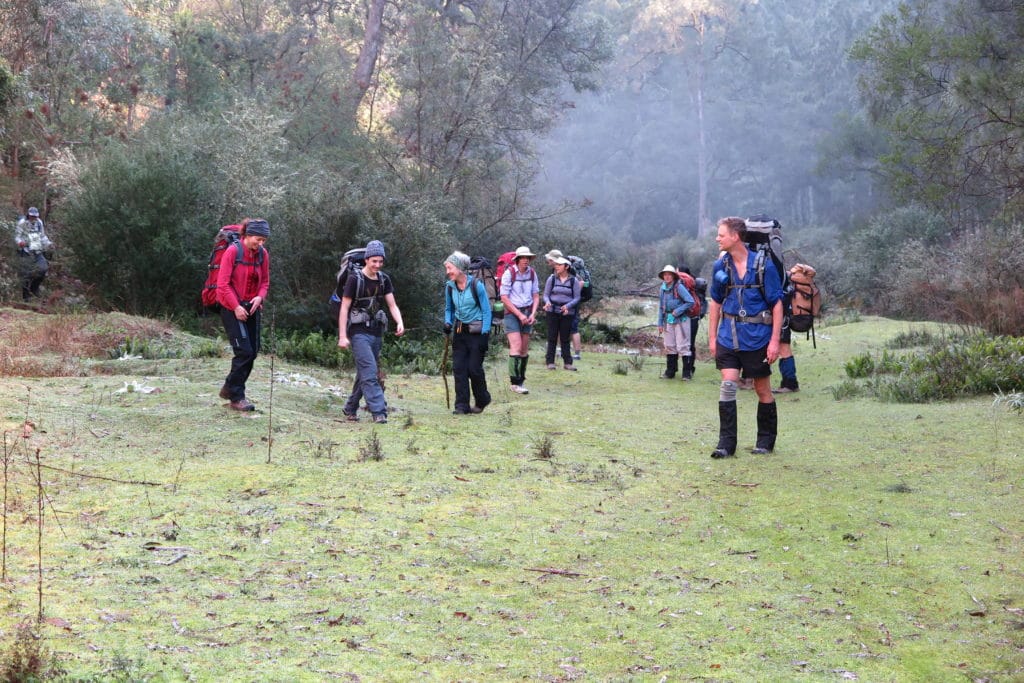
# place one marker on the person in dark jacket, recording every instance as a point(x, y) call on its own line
point(744, 323)
point(361, 326)
point(242, 285)
point(467, 317)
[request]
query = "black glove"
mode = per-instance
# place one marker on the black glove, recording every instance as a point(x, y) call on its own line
point(447, 329)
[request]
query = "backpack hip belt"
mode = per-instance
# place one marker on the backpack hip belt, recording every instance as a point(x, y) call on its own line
point(762, 318)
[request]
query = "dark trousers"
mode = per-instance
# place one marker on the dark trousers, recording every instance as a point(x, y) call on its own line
point(559, 331)
point(245, 342)
point(694, 324)
point(468, 352)
point(33, 266)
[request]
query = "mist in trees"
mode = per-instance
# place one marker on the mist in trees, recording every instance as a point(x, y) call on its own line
point(716, 109)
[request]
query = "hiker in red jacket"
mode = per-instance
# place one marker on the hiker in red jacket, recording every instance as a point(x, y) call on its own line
point(242, 284)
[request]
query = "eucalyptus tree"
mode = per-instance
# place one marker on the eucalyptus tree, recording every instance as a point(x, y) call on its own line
point(945, 80)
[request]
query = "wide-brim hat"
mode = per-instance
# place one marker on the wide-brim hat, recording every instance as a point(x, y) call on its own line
point(524, 251)
point(560, 260)
point(553, 254)
point(669, 269)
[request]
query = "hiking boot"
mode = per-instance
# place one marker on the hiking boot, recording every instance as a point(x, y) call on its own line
point(350, 417)
point(576, 356)
point(479, 407)
point(519, 389)
point(784, 390)
point(671, 365)
point(552, 366)
point(569, 366)
point(459, 410)
point(380, 419)
point(243, 405)
point(687, 368)
point(225, 393)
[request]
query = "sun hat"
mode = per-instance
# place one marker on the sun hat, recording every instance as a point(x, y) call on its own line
point(669, 269)
point(553, 254)
point(560, 260)
point(524, 251)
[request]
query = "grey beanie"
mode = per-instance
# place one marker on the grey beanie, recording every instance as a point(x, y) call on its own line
point(459, 260)
point(258, 227)
point(374, 248)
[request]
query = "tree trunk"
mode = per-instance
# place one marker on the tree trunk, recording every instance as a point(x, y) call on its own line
point(369, 52)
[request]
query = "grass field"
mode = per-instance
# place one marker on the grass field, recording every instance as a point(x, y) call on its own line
point(578, 533)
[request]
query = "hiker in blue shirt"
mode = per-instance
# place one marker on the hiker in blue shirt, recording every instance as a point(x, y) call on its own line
point(467, 317)
point(674, 300)
point(744, 323)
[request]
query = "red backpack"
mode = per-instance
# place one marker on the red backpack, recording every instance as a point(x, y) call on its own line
point(226, 236)
point(691, 287)
point(505, 261)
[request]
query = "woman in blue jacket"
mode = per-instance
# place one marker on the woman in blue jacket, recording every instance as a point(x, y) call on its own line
point(674, 300)
point(467, 317)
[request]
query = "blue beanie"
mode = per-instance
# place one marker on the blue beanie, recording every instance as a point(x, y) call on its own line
point(374, 248)
point(258, 227)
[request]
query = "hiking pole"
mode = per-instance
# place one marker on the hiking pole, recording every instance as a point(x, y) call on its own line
point(270, 402)
point(444, 373)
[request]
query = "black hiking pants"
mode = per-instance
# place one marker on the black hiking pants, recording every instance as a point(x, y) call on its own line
point(245, 342)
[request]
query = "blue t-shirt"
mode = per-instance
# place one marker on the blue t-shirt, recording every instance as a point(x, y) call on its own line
point(744, 295)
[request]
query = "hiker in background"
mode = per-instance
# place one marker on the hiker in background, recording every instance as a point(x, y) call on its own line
point(745, 320)
point(787, 364)
point(673, 302)
point(689, 362)
point(32, 243)
point(361, 325)
point(242, 285)
point(467, 317)
point(561, 297)
point(520, 293)
point(574, 326)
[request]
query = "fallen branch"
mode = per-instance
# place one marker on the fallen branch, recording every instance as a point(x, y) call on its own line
point(177, 558)
point(551, 570)
point(97, 476)
point(746, 486)
point(741, 552)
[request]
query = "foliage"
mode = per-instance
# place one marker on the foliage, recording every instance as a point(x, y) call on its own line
point(944, 80)
point(28, 659)
point(949, 368)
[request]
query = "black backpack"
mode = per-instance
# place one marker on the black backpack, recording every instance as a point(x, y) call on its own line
point(578, 267)
point(351, 265)
point(764, 237)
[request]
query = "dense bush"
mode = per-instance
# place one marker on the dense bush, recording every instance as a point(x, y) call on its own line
point(946, 369)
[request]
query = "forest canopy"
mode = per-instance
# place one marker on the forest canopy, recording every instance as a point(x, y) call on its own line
point(618, 130)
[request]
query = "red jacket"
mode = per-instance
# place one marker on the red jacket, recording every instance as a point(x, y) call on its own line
point(245, 281)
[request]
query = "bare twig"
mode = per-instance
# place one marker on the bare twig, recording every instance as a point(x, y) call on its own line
point(97, 476)
point(270, 402)
point(39, 534)
point(552, 570)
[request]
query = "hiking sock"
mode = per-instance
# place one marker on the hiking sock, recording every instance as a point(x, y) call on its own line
point(726, 429)
point(513, 369)
point(522, 367)
point(671, 365)
point(767, 428)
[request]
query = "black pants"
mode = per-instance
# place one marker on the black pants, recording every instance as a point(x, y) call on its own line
point(559, 331)
point(33, 266)
point(245, 341)
point(468, 352)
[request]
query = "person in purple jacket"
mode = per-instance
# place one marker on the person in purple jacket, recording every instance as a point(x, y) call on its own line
point(561, 297)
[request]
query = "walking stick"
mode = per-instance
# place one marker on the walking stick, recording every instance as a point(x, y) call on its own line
point(444, 373)
point(270, 405)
